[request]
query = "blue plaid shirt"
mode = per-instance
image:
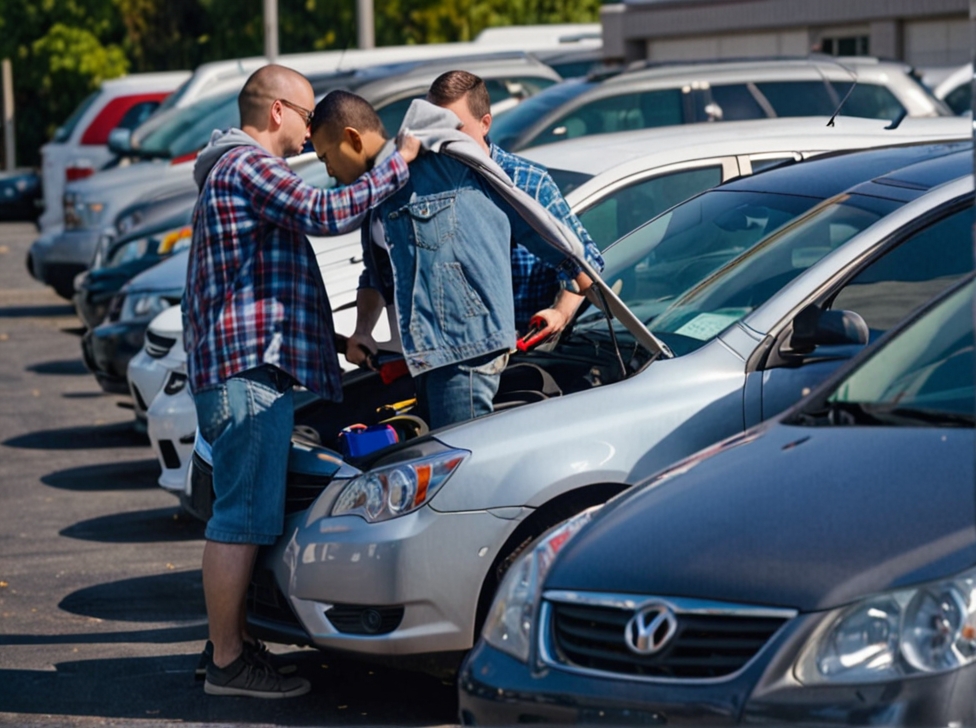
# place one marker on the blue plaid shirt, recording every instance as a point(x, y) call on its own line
point(536, 283)
point(254, 293)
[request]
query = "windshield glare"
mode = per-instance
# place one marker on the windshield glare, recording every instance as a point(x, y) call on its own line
point(704, 312)
point(189, 129)
point(507, 127)
point(656, 263)
point(927, 367)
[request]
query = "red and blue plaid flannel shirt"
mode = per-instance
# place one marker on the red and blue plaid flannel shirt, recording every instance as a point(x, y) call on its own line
point(254, 293)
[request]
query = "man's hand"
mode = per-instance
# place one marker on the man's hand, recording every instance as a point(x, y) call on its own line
point(555, 319)
point(408, 146)
point(359, 348)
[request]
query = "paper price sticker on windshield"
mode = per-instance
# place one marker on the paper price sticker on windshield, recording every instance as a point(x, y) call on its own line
point(707, 325)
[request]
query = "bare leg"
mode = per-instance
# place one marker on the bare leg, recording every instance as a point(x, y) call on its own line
point(226, 574)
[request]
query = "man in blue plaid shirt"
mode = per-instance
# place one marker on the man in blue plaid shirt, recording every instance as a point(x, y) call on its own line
point(540, 290)
point(257, 320)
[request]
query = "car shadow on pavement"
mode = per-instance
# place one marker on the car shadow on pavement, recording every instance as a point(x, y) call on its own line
point(52, 309)
point(126, 475)
point(159, 525)
point(162, 688)
point(166, 597)
point(163, 636)
point(117, 434)
point(64, 366)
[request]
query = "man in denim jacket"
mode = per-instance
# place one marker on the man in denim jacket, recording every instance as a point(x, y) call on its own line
point(439, 249)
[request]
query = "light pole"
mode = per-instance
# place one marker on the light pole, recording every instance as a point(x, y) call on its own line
point(271, 30)
point(365, 33)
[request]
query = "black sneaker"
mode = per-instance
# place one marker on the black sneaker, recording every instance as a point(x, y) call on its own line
point(258, 649)
point(249, 677)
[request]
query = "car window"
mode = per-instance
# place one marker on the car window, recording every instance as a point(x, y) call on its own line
point(500, 89)
point(65, 130)
point(869, 101)
point(960, 99)
point(911, 274)
point(629, 207)
point(798, 98)
point(659, 261)
point(189, 129)
point(137, 114)
point(758, 165)
point(392, 114)
point(926, 369)
point(753, 278)
point(568, 181)
point(507, 127)
point(624, 112)
point(737, 102)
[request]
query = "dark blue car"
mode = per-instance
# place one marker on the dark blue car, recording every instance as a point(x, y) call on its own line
point(820, 568)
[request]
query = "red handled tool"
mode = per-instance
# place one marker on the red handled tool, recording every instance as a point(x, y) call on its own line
point(534, 336)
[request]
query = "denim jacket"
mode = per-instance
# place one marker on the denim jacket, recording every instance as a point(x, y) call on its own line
point(449, 232)
point(451, 275)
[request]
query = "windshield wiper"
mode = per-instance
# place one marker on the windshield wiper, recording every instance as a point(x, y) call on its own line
point(895, 415)
point(867, 413)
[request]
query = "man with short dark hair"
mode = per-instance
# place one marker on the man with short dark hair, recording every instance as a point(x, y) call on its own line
point(256, 321)
point(437, 250)
point(540, 290)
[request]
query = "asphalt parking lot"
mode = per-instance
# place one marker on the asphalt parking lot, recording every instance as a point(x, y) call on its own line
point(101, 607)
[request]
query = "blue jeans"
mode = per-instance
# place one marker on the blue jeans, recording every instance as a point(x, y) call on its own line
point(248, 422)
point(460, 392)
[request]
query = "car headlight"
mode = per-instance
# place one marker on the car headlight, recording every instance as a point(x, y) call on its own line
point(927, 629)
point(138, 306)
point(125, 253)
point(509, 624)
point(82, 215)
point(175, 240)
point(395, 490)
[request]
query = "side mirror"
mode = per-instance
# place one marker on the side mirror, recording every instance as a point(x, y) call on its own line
point(120, 141)
point(813, 327)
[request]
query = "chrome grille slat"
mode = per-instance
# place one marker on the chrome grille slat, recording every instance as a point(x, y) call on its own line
point(586, 633)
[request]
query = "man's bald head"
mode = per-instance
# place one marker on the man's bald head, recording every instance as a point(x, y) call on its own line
point(264, 86)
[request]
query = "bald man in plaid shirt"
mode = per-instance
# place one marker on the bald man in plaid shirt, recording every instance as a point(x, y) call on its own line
point(258, 320)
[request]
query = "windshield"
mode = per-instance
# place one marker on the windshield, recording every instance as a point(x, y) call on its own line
point(746, 283)
point(64, 131)
point(922, 376)
point(508, 126)
point(188, 129)
point(657, 262)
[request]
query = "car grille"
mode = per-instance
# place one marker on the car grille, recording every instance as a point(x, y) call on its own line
point(704, 646)
point(265, 600)
point(302, 490)
point(158, 346)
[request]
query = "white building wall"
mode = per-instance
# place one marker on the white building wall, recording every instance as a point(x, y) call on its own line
point(937, 42)
point(739, 45)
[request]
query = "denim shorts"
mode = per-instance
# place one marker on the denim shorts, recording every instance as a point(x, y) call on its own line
point(248, 422)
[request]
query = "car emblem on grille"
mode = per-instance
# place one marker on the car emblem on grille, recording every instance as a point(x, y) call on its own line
point(650, 629)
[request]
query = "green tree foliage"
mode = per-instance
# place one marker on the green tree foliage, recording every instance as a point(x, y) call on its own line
point(62, 49)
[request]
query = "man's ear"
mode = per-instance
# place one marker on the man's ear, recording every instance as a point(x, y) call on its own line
point(485, 124)
point(353, 138)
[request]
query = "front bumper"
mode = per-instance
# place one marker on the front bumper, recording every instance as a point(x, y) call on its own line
point(107, 350)
point(64, 248)
point(172, 420)
point(428, 564)
point(495, 688)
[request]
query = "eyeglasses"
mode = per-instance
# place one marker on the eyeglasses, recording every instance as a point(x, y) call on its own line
point(300, 109)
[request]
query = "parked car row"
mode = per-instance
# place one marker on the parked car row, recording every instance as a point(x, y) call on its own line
point(738, 487)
